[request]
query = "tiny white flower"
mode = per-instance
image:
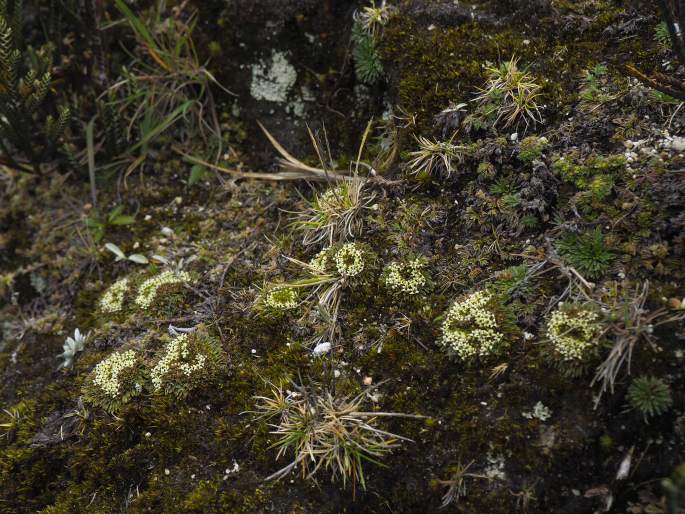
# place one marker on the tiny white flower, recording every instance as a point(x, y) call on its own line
point(321, 349)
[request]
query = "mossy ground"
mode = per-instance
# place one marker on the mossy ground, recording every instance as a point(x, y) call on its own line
point(162, 455)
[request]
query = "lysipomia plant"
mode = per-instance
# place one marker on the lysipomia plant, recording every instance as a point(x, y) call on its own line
point(650, 396)
point(186, 362)
point(479, 325)
point(587, 252)
point(532, 148)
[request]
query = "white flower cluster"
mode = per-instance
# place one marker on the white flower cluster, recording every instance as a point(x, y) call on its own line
point(107, 371)
point(332, 200)
point(176, 356)
point(349, 260)
point(147, 292)
point(113, 299)
point(407, 277)
point(573, 333)
point(320, 261)
point(470, 329)
point(281, 298)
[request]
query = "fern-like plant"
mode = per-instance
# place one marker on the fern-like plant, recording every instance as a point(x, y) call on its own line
point(28, 137)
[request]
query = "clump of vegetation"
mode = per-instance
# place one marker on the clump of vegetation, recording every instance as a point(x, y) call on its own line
point(115, 380)
point(434, 158)
point(188, 361)
point(650, 396)
point(350, 260)
point(335, 214)
point(112, 301)
point(326, 431)
point(509, 99)
point(574, 331)
point(595, 176)
point(165, 83)
point(662, 37)
point(407, 278)
point(162, 284)
point(532, 148)
point(329, 273)
point(456, 484)
point(594, 89)
point(587, 252)
point(277, 300)
point(475, 326)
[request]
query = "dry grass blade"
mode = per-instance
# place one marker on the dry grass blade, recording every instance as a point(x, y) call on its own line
point(238, 174)
point(633, 324)
point(288, 161)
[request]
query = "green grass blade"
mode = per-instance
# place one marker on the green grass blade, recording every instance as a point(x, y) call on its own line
point(161, 127)
point(137, 25)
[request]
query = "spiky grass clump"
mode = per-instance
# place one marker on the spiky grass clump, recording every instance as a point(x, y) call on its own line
point(324, 431)
point(587, 253)
point(372, 18)
point(476, 326)
point(187, 362)
point(115, 380)
point(407, 278)
point(435, 157)
point(574, 332)
point(334, 214)
point(650, 396)
point(510, 97)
